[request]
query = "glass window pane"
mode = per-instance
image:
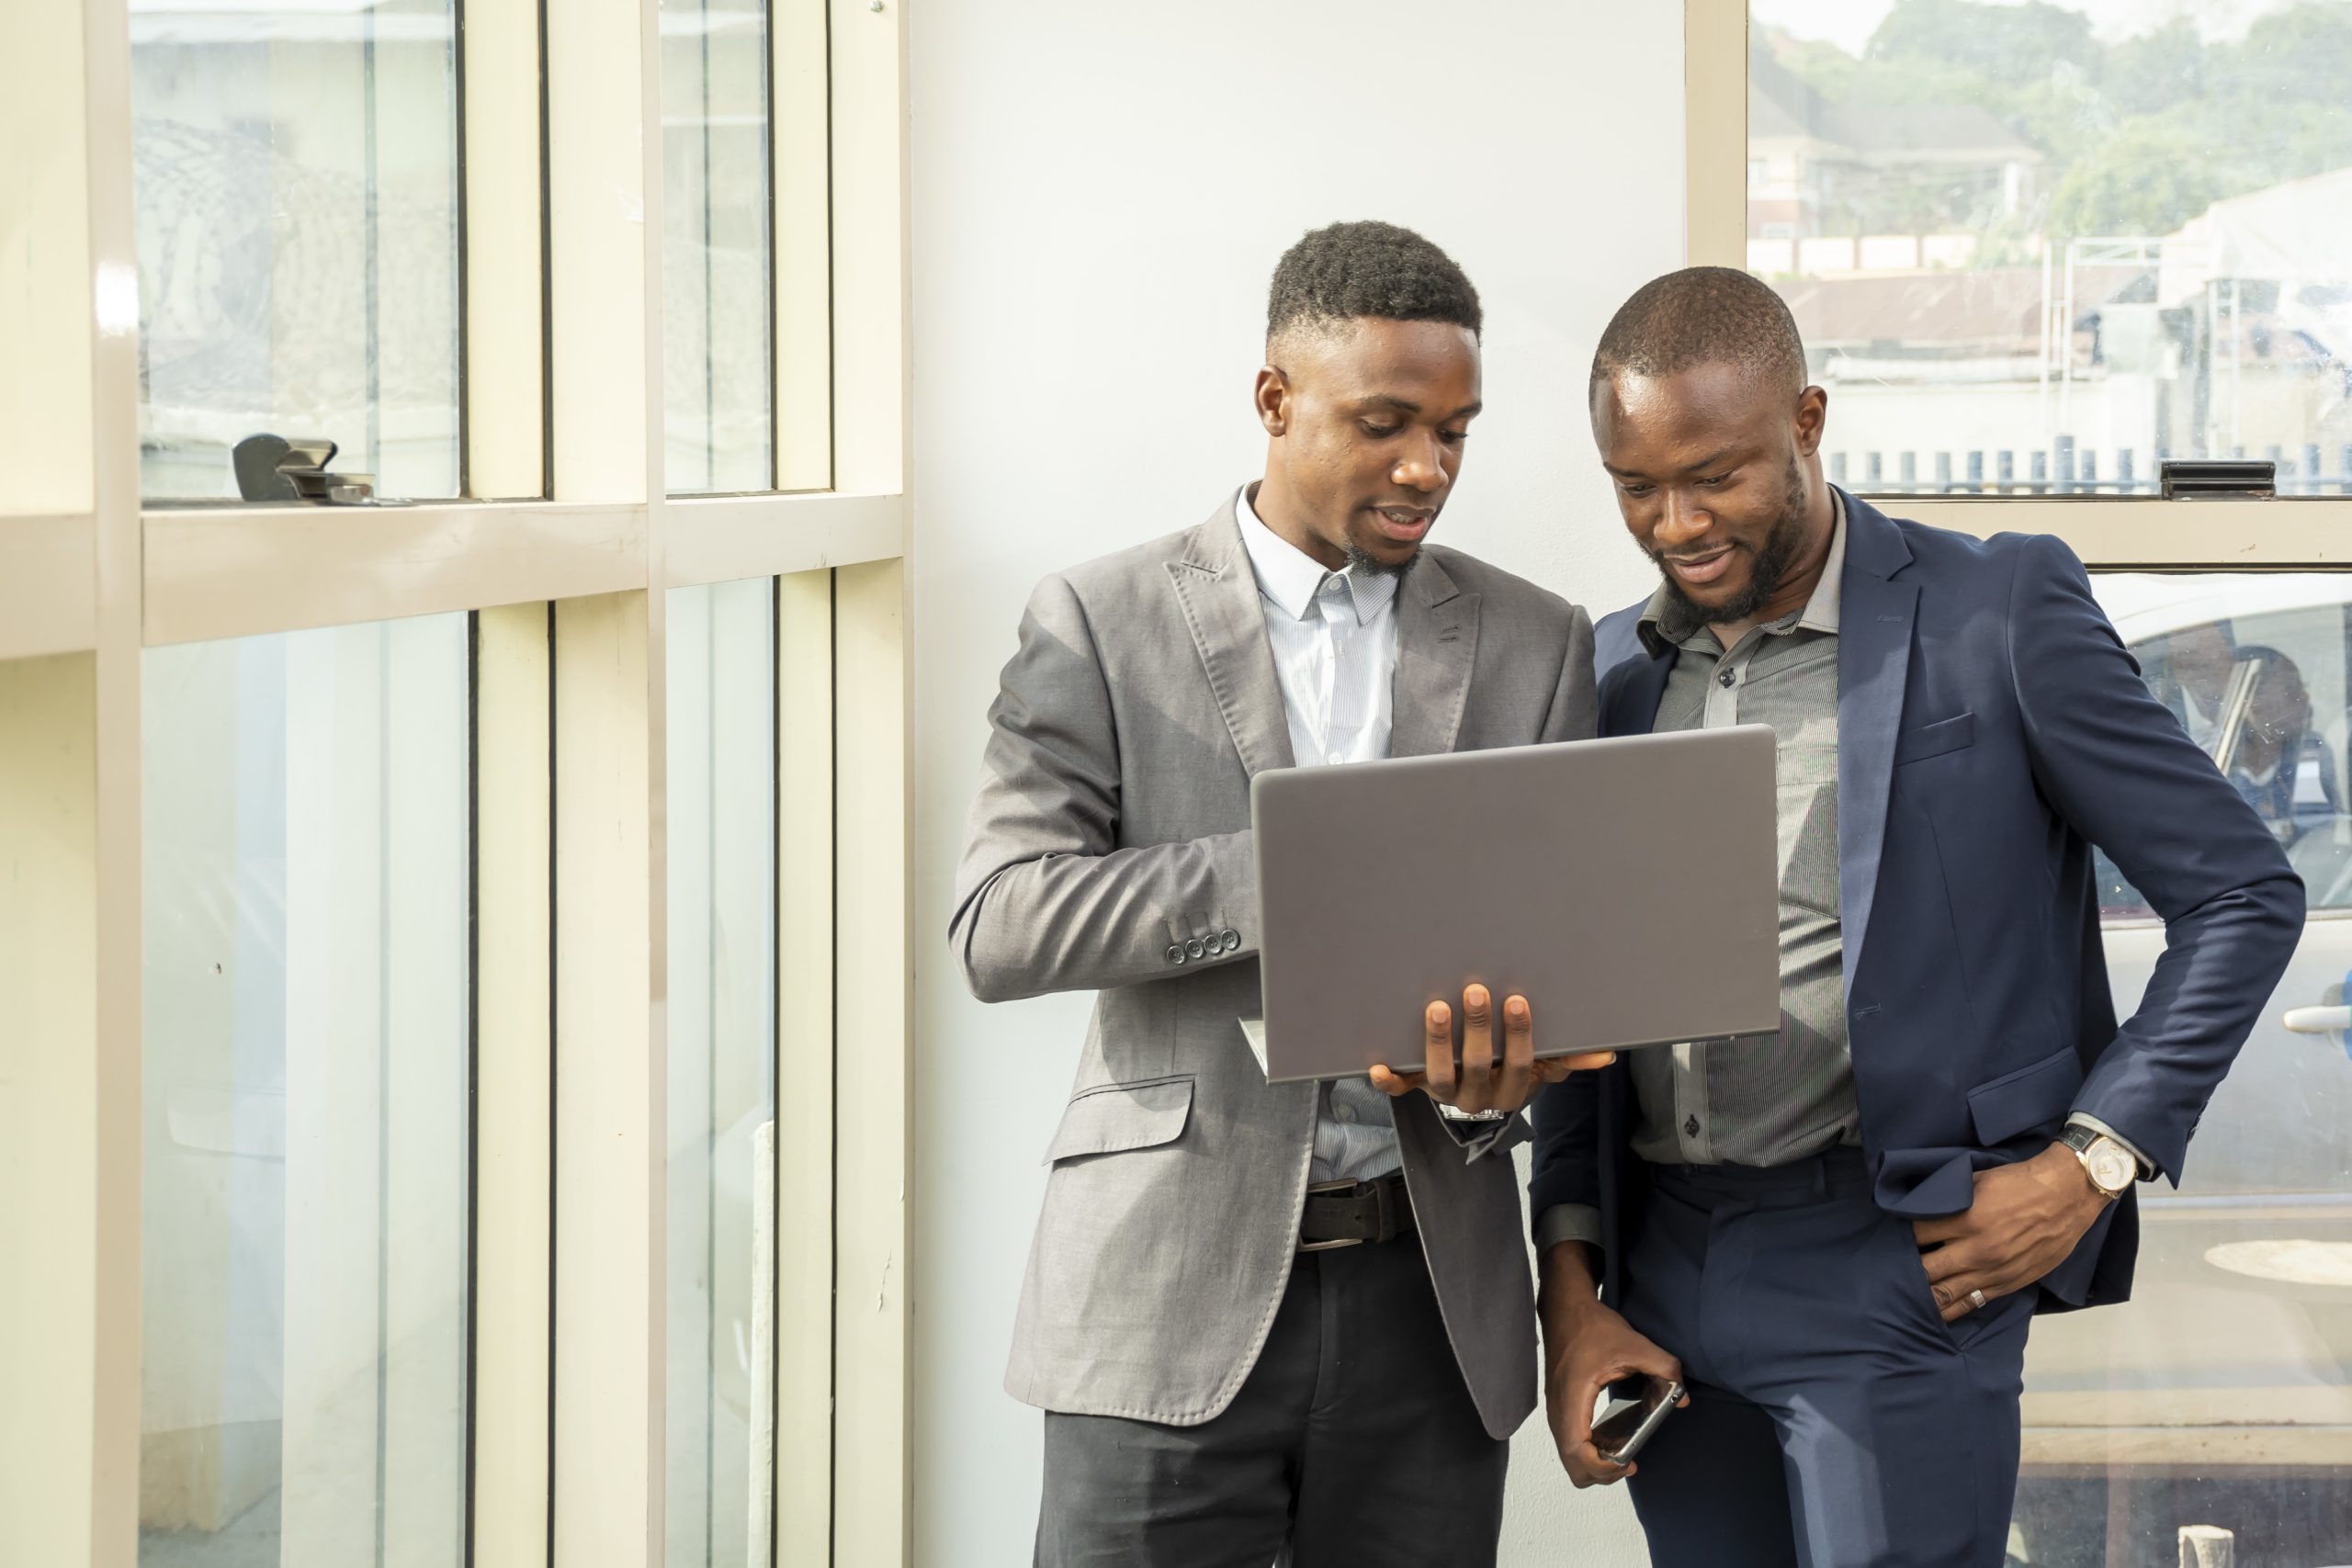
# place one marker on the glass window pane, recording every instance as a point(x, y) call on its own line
point(716, 274)
point(2042, 248)
point(2220, 1394)
point(722, 1067)
point(304, 1235)
point(296, 189)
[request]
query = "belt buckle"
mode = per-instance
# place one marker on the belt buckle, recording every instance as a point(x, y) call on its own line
point(1316, 1188)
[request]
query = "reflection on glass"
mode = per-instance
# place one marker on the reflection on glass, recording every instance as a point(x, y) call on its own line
point(2218, 1396)
point(304, 1188)
point(296, 189)
point(722, 1066)
point(716, 276)
point(2042, 248)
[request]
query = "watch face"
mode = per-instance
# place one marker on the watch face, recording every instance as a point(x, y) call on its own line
point(2111, 1167)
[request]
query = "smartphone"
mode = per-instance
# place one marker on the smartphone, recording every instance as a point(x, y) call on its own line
point(1633, 1410)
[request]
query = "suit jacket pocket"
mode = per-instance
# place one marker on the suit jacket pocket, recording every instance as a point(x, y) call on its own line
point(2037, 1095)
point(1935, 739)
point(1112, 1118)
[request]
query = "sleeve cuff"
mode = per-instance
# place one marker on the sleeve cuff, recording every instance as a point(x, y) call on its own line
point(1567, 1222)
point(2085, 1118)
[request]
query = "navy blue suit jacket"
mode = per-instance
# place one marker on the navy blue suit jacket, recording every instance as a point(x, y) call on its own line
point(1991, 728)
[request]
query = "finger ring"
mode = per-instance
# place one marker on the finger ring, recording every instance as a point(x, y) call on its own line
point(1976, 1301)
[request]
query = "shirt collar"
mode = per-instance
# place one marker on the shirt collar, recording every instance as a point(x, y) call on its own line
point(1291, 579)
point(1661, 628)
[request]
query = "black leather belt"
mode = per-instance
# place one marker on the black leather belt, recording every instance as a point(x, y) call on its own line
point(1347, 1214)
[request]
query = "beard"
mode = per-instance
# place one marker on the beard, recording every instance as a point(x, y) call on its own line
point(1774, 557)
point(1363, 563)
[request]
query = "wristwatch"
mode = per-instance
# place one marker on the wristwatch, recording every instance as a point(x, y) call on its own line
point(2110, 1165)
point(1455, 1113)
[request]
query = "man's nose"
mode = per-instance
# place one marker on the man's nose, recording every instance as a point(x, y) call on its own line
point(1423, 470)
point(1681, 519)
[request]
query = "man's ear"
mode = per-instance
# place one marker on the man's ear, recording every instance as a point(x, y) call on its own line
point(1272, 397)
point(1812, 421)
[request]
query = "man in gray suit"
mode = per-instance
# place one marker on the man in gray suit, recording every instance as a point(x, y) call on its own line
point(1267, 1319)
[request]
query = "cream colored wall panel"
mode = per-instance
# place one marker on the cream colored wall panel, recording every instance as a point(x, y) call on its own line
point(609, 1095)
point(513, 1070)
point(873, 1228)
point(728, 538)
point(48, 588)
point(805, 1050)
point(48, 1111)
point(235, 572)
point(45, 300)
point(504, 325)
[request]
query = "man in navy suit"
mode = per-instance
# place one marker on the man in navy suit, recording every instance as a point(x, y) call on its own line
point(1837, 1237)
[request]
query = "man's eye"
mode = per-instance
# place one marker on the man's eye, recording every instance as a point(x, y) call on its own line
point(1635, 489)
point(1712, 484)
point(1453, 437)
point(1380, 431)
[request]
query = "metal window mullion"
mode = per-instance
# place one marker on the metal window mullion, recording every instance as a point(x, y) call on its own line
point(867, 86)
point(114, 1199)
point(502, 256)
point(804, 1280)
point(873, 1225)
point(800, 169)
point(514, 1189)
point(605, 341)
point(1714, 82)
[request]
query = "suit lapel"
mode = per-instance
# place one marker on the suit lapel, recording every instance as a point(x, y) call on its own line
point(1219, 595)
point(1876, 620)
point(1630, 693)
point(1437, 645)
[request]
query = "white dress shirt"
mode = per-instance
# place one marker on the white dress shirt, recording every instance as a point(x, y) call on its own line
point(1333, 635)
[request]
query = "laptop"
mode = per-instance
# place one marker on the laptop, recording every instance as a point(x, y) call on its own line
point(1628, 889)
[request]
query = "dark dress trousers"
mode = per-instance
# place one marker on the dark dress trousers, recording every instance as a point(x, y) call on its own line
point(1992, 727)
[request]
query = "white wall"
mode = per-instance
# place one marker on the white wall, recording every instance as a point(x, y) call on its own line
point(1100, 194)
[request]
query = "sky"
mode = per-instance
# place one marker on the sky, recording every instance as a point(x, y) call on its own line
point(1848, 23)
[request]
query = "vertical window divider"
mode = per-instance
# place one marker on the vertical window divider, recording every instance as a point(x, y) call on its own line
point(112, 1196)
point(511, 1299)
point(806, 1076)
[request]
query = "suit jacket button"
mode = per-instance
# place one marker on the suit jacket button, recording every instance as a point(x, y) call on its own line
point(1175, 954)
point(1232, 942)
point(1196, 948)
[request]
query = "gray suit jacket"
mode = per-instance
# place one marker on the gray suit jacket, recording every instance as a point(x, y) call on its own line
point(1111, 829)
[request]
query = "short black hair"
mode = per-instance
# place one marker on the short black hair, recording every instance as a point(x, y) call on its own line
point(1702, 315)
point(1352, 270)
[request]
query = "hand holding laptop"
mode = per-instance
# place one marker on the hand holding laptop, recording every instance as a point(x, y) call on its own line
point(1478, 1081)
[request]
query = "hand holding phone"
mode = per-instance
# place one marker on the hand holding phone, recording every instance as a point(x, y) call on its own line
point(1630, 1412)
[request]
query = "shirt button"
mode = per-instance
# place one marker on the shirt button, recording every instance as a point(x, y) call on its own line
point(1726, 677)
point(1335, 758)
point(1343, 1113)
point(1196, 948)
point(1690, 1128)
point(1176, 953)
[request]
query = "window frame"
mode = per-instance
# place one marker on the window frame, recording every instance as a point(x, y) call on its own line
point(563, 412)
point(2110, 533)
